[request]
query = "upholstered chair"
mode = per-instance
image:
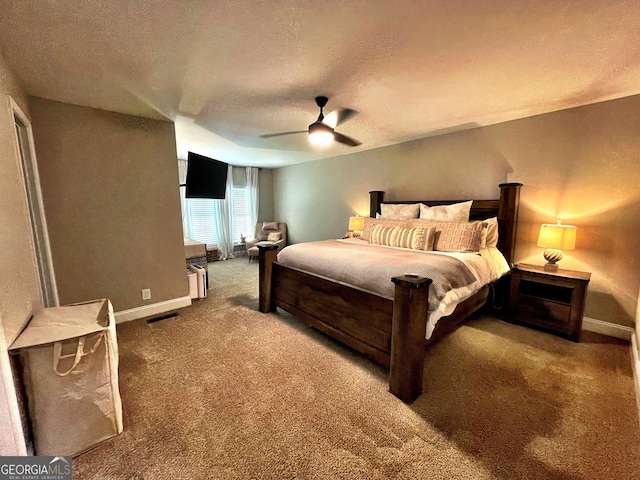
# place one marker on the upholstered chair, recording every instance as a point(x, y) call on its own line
point(267, 233)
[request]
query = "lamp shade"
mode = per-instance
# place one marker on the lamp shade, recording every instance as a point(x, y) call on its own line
point(356, 223)
point(561, 237)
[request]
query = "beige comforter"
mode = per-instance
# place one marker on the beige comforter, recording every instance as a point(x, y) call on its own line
point(371, 267)
point(456, 276)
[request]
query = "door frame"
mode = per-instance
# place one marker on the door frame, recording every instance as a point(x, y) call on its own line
point(40, 245)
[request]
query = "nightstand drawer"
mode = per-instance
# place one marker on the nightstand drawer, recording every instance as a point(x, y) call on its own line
point(540, 308)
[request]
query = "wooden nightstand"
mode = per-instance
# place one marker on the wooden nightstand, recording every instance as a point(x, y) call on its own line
point(551, 300)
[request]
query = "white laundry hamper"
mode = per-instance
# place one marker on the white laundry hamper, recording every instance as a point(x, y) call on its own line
point(69, 362)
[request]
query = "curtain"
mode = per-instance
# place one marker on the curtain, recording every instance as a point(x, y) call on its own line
point(253, 206)
point(223, 220)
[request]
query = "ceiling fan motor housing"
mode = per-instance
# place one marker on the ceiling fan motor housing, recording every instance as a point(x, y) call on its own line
point(319, 127)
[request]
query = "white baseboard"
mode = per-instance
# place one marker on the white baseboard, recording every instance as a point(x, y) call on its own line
point(152, 309)
point(606, 328)
point(635, 363)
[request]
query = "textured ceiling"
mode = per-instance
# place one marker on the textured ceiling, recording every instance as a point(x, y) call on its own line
point(228, 71)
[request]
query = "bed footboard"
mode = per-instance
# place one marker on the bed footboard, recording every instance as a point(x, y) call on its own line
point(391, 333)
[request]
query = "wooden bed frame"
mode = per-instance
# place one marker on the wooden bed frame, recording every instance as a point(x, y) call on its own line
point(389, 332)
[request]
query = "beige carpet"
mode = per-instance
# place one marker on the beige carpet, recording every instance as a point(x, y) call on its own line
point(224, 392)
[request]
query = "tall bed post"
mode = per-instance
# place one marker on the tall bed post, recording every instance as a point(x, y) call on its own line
point(267, 256)
point(376, 197)
point(409, 324)
point(508, 219)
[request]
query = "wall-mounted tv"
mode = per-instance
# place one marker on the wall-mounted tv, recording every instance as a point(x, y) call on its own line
point(206, 177)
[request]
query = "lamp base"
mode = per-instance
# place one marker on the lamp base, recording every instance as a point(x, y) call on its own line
point(552, 256)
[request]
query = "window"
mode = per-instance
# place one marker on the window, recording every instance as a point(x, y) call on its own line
point(203, 225)
point(240, 214)
point(202, 217)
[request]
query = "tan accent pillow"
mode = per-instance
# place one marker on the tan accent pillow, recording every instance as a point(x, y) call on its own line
point(399, 210)
point(270, 226)
point(370, 222)
point(432, 230)
point(459, 236)
point(274, 236)
point(456, 212)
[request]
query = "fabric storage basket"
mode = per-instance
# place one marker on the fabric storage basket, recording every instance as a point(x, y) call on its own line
point(212, 254)
point(69, 361)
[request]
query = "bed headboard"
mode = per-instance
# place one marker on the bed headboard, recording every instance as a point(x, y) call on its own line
point(505, 208)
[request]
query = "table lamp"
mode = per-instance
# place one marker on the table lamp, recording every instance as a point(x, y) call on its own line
point(356, 225)
point(555, 239)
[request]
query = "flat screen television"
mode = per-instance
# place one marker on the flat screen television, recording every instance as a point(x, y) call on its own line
point(206, 177)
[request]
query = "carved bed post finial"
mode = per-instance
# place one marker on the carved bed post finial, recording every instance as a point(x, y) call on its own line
point(375, 199)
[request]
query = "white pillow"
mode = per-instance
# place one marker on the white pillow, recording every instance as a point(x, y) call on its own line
point(456, 212)
point(492, 233)
point(399, 210)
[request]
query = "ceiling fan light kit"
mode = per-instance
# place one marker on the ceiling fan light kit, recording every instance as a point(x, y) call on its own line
point(320, 134)
point(322, 131)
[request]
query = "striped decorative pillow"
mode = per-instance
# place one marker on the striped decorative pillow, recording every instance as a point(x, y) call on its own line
point(381, 235)
point(401, 237)
point(410, 238)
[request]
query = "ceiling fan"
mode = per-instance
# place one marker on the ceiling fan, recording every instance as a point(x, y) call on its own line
point(322, 131)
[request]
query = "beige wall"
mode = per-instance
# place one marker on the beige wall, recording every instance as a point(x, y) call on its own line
point(19, 284)
point(265, 192)
point(110, 191)
point(581, 165)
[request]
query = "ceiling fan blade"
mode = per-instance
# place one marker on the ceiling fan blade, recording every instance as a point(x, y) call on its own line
point(338, 137)
point(269, 135)
point(339, 116)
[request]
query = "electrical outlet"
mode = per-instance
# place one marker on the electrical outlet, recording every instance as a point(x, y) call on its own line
point(146, 294)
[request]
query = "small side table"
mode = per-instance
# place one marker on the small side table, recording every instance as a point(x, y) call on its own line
point(549, 299)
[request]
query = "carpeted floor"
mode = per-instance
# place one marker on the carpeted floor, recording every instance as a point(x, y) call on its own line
point(224, 392)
